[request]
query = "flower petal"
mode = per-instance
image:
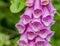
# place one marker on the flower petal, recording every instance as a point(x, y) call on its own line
point(37, 9)
point(21, 27)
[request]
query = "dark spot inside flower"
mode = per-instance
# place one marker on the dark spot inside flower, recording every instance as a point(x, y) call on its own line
point(42, 31)
point(22, 43)
point(47, 19)
point(37, 11)
point(39, 43)
point(26, 18)
point(20, 27)
point(31, 35)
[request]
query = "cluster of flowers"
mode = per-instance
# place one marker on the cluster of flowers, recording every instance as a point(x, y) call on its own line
point(34, 25)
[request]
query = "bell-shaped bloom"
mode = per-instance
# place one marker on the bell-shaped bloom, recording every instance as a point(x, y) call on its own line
point(45, 2)
point(48, 38)
point(43, 33)
point(21, 27)
point(36, 25)
point(26, 17)
point(31, 43)
point(41, 42)
point(29, 3)
point(30, 33)
point(51, 8)
point(23, 40)
point(37, 9)
point(47, 18)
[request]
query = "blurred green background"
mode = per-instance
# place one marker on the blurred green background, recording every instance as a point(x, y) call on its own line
point(9, 34)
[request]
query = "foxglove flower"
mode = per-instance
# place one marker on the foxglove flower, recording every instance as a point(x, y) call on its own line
point(30, 33)
point(31, 43)
point(41, 42)
point(34, 24)
point(51, 8)
point(37, 9)
point(23, 41)
point(21, 27)
point(48, 38)
point(47, 18)
point(27, 15)
point(43, 33)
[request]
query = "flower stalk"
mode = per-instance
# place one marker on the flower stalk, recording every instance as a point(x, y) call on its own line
point(34, 25)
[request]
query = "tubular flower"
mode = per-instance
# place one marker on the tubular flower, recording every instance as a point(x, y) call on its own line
point(34, 25)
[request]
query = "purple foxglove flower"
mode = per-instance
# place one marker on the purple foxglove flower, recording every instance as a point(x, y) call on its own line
point(30, 33)
point(36, 25)
point(47, 19)
point(48, 38)
point(31, 43)
point(40, 42)
point(29, 3)
point(37, 9)
point(23, 40)
point(21, 27)
point(44, 33)
point(51, 8)
point(44, 2)
point(26, 17)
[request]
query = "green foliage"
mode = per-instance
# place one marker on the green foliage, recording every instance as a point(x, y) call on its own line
point(17, 6)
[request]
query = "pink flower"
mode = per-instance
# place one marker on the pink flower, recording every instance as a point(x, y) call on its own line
point(21, 27)
point(51, 8)
point(36, 25)
point(44, 33)
point(30, 33)
point(31, 43)
point(23, 40)
point(48, 38)
point(47, 18)
point(26, 17)
point(41, 42)
point(37, 9)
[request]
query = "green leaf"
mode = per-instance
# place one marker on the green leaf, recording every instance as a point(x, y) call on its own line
point(17, 6)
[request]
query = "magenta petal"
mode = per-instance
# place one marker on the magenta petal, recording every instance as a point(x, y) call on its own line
point(37, 9)
point(36, 25)
point(51, 8)
point(31, 43)
point(26, 17)
point(30, 34)
point(45, 12)
point(47, 18)
point(48, 21)
point(39, 41)
point(23, 41)
point(43, 33)
point(48, 38)
point(21, 27)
